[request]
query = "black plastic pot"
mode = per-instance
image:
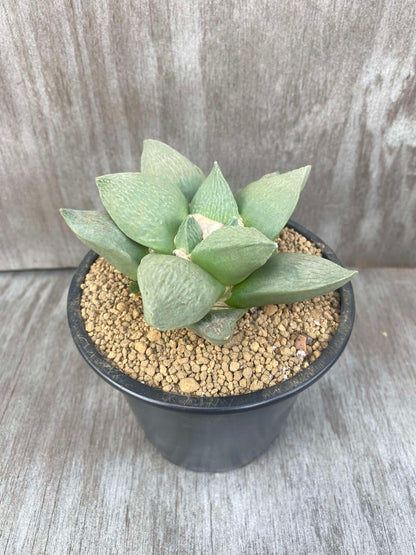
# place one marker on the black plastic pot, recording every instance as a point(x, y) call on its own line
point(211, 434)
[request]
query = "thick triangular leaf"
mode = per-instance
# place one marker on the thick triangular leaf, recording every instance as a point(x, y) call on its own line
point(189, 235)
point(98, 231)
point(160, 159)
point(268, 203)
point(231, 253)
point(214, 199)
point(218, 325)
point(175, 292)
point(288, 278)
point(148, 209)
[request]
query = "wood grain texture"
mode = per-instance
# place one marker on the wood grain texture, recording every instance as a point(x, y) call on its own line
point(253, 84)
point(78, 475)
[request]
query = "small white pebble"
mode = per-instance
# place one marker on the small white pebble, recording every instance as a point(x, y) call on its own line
point(316, 323)
point(301, 354)
point(274, 347)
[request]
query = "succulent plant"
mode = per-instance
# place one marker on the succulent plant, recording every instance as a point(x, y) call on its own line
point(199, 255)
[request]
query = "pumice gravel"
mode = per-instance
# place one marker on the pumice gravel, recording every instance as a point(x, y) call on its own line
point(200, 255)
point(270, 344)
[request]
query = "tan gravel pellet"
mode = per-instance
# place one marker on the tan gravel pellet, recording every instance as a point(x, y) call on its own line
point(188, 385)
point(263, 351)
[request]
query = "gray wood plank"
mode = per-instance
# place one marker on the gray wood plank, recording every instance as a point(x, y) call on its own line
point(78, 475)
point(254, 85)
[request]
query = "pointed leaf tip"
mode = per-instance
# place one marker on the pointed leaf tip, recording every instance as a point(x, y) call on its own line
point(289, 278)
point(214, 199)
point(268, 203)
point(161, 159)
point(189, 235)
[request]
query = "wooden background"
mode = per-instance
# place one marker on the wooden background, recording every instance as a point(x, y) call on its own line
point(78, 477)
point(254, 84)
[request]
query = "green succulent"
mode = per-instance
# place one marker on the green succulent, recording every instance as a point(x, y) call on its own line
point(199, 255)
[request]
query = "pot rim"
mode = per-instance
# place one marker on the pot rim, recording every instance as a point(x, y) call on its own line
point(232, 403)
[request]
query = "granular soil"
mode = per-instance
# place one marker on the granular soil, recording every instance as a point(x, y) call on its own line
point(270, 343)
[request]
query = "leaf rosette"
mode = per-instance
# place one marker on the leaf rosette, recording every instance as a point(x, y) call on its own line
point(199, 255)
